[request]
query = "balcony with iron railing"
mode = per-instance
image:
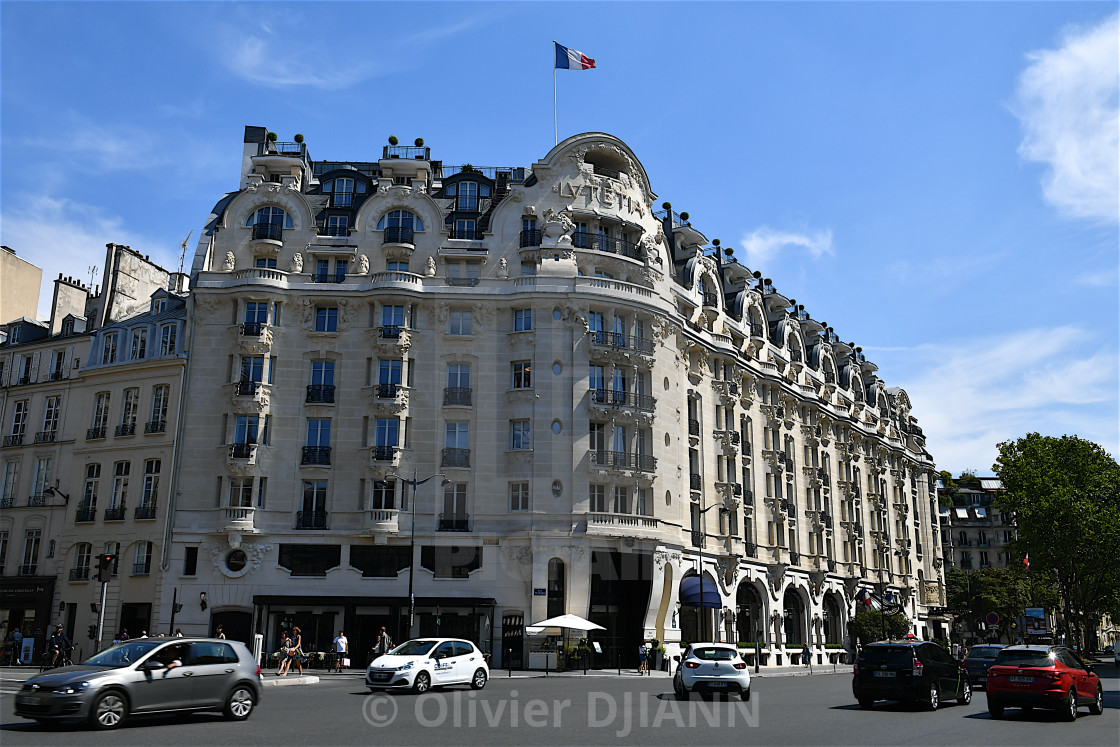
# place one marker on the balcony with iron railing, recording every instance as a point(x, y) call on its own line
point(141, 569)
point(621, 398)
point(268, 232)
point(467, 234)
point(252, 329)
point(27, 570)
point(94, 434)
point(530, 237)
point(455, 458)
point(417, 153)
point(387, 391)
point(15, 439)
point(311, 520)
point(693, 427)
point(86, 513)
point(710, 300)
point(56, 376)
point(146, 511)
point(79, 574)
point(454, 522)
point(384, 453)
point(247, 388)
point(37, 500)
point(461, 282)
point(333, 231)
point(457, 396)
point(329, 277)
point(242, 450)
point(794, 557)
point(748, 497)
point(608, 244)
point(320, 394)
point(316, 455)
point(116, 513)
point(399, 235)
point(390, 331)
point(751, 549)
point(45, 437)
point(623, 460)
point(674, 218)
point(697, 539)
point(155, 426)
point(695, 481)
point(6, 501)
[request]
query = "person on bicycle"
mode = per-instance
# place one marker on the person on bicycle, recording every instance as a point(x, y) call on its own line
point(59, 645)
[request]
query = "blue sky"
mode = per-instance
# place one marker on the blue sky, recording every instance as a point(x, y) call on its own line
point(937, 181)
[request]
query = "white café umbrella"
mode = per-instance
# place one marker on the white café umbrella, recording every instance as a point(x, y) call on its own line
point(567, 622)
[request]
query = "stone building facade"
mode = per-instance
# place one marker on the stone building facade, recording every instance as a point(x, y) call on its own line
point(617, 422)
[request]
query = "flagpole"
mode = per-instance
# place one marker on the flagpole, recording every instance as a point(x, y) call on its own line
point(555, 131)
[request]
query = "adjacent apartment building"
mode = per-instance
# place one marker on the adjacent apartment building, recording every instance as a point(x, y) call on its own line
point(459, 400)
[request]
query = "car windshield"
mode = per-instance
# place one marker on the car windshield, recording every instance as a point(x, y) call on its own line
point(714, 653)
point(122, 654)
point(413, 648)
point(1024, 658)
point(983, 652)
point(891, 656)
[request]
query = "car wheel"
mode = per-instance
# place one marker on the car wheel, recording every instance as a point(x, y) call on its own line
point(866, 703)
point(1070, 712)
point(681, 690)
point(746, 694)
point(966, 696)
point(995, 710)
point(109, 711)
point(479, 680)
point(934, 698)
point(1097, 706)
point(239, 704)
point(423, 683)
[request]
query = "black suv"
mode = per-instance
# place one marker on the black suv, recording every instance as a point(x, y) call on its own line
point(916, 671)
point(980, 658)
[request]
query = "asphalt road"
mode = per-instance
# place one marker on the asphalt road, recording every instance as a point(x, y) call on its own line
point(816, 710)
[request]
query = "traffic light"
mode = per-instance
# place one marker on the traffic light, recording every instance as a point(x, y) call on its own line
point(92, 632)
point(105, 567)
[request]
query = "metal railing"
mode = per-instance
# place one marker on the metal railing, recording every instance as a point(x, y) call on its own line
point(710, 300)
point(247, 388)
point(390, 332)
point(621, 398)
point(311, 520)
point(599, 170)
point(55, 376)
point(316, 455)
point(794, 557)
point(242, 451)
point(45, 437)
point(85, 514)
point(751, 549)
point(530, 237)
point(693, 427)
point(455, 458)
point(126, 429)
point(6, 502)
point(384, 453)
point(398, 235)
point(147, 511)
point(92, 434)
point(141, 569)
point(252, 329)
point(418, 153)
point(329, 277)
point(155, 426)
point(756, 330)
point(115, 514)
point(457, 395)
point(469, 234)
point(16, 439)
point(695, 481)
point(609, 244)
point(26, 570)
point(268, 231)
point(387, 391)
point(37, 500)
point(624, 460)
point(454, 523)
point(320, 394)
point(457, 282)
point(79, 574)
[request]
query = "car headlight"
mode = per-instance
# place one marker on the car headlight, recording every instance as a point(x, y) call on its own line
point(71, 688)
point(406, 667)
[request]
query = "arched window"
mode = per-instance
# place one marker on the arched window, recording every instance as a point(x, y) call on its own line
point(794, 618)
point(557, 587)
point(400, 219)
point(832, 621)
point(748, 614)
point(274, 215)
point(83, 551)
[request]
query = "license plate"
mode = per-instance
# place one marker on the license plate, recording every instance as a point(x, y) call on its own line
point(1021, 679)
point(382, 675)
point(717, 684)
point(27, 700)
point(886, 674)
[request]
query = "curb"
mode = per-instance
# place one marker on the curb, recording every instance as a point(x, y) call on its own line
point(305, 679)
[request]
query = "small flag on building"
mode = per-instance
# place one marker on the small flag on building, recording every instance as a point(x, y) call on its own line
point(571, 59)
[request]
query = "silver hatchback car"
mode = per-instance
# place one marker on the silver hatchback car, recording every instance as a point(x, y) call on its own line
point(147, 675)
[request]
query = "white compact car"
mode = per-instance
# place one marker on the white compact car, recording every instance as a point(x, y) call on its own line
point(711, 667)
point(424, 663)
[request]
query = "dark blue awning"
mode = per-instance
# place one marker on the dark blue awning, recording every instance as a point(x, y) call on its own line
point(691, 593)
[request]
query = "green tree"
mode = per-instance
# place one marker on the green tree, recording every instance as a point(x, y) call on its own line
point(867, 626)
point(1065, 495)
point(1005, 591)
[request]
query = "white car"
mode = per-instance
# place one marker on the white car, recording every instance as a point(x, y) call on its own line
point(711, 667)
point(424, 663)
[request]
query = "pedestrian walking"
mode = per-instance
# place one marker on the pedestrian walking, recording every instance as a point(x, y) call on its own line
point(643, 661)
point(219, 633)
point(383, 645)
point(806, 657)
point(17, 640)
point(178, 632)
point(341, 648)
point(297, 646)
point(287, 652)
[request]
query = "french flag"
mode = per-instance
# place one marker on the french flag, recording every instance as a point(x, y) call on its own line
point(571, 59)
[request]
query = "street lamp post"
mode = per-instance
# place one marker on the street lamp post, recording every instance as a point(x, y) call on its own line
point(703, 610)
point(413, 483)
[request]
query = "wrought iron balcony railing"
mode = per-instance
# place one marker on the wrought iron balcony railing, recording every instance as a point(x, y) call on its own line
point(530, 237)
point(320, 394)
point(316, 455)
point(455, 458)
point(620, 398)
point(27, 570)
point(248, 388)
point(155, 426)
point(695, 481)
point(390, 331)
point(693, 427)
point(398, 235)
point(252, 329)
point(387, 391)
point(384, 453)
point(454, 523)
point(79, 574)
point(16, 439)
point(115, 514)
point(37, 500)
point(457, 395)
point(93, 434)
point(126, 429)
point(242, 450)
point(268, 231)
point(141, 569)
point(624, 460)
point(45, 437)
point(85, 514)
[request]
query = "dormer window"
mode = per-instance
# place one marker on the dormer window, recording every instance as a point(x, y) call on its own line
point(270, 215)
point(159, 305)
point(342, 189)
point(400, 219)
point(467, 194)
point(68, 327)
point(109, 349)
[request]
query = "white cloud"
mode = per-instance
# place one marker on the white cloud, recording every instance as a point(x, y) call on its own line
point(97, 147)
point(67, 237)
point(764, 244)
point(1068, 105)
point(970, 395)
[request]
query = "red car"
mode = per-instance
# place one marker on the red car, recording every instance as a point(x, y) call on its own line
point(1043, 677)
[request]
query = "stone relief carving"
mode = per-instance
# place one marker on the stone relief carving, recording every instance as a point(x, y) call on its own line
point(775, 573)
point(558, 229)
point(297, 263)
point(363, 264)
point(254, 553)
point(503, 268)
point(431, 267)
point(230, 263)
point(660, 557)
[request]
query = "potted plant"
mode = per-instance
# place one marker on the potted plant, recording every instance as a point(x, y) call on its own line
point(419, 142)
point(272, 137)
point(298, 138)
point(393, 140)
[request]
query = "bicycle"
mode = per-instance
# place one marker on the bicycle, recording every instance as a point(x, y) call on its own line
point(64, 659)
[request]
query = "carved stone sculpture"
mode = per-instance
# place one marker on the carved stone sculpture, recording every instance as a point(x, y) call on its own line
point(363, 264)
point(297, 262)
point(431, 271)
point(231, 261)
